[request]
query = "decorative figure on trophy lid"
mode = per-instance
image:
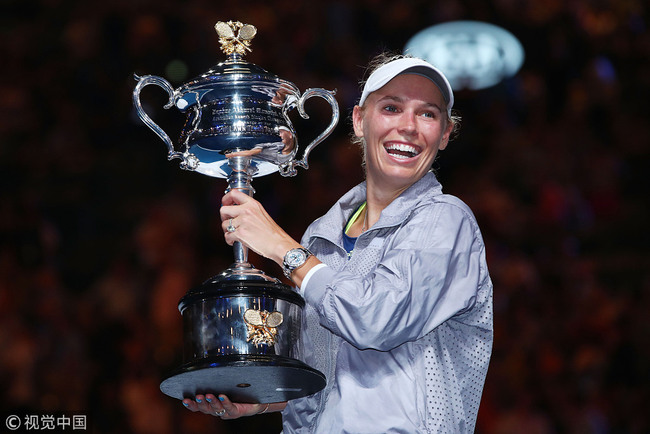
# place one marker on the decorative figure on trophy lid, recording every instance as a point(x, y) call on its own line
point(241, 326)
point(231, 43)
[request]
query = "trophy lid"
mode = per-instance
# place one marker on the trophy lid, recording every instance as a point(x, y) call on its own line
point(235, 72)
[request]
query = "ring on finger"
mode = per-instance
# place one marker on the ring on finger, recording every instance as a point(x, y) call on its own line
point(230, 227)
point(220, 412)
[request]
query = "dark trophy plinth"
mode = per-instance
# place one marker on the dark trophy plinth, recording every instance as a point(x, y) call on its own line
point(240, 340)
point(241, 328)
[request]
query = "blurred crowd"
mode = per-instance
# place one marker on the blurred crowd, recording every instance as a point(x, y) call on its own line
point(100, 235)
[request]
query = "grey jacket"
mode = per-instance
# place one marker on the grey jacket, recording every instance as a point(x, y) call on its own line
point(403, 329)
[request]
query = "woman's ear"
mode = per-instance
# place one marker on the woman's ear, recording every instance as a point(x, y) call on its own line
point(357, 121)
point(446, 135)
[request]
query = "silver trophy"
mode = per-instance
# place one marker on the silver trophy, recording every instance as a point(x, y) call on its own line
point(241, 327)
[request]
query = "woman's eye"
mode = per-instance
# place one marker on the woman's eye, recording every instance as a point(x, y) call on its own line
point(431, 115)
point(390, 108)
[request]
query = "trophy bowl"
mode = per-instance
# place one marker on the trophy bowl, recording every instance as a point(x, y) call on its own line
point(241, 328)
point(236, 108)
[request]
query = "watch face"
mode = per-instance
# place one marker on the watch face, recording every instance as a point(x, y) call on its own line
point(295, 258)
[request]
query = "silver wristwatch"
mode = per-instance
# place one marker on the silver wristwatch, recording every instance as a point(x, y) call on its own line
point(295, 258)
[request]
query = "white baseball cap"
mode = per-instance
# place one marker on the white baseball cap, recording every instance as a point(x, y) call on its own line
point(408, 65)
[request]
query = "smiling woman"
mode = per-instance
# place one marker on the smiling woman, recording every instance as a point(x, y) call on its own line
point(403, 124)
point(398, 311)
point(385, 66)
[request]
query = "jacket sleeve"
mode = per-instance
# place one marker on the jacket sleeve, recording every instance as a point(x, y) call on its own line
point(430, 271)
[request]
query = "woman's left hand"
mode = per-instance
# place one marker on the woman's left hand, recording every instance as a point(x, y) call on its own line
point(222, 407)
point(253, 227)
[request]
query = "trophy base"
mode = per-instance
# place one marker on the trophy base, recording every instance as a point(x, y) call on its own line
point(245, 378)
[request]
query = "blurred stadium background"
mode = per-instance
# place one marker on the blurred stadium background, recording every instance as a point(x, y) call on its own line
point(100, 235)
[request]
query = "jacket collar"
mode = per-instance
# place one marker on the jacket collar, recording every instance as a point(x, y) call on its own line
point(331, 224)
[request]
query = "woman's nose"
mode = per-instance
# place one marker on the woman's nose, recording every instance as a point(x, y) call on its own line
point(408, 123)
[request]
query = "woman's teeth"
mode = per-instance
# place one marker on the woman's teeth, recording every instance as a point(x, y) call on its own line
point(402, 151)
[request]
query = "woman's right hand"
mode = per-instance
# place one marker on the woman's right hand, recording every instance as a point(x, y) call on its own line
point(222, 406)
point(253, 227)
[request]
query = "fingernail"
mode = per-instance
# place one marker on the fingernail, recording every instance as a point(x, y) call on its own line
point(208, 399)
point(186, 404)
point(198, 400)
point(220, 398)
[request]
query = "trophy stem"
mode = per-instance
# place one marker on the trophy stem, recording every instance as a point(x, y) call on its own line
point(240, 178)
point(241, 253)
point(241, 174)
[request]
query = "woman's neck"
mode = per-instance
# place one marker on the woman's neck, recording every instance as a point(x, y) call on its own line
point(379, 198)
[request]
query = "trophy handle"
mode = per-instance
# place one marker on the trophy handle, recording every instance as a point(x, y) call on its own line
point(289, 169)
point(188, 161)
